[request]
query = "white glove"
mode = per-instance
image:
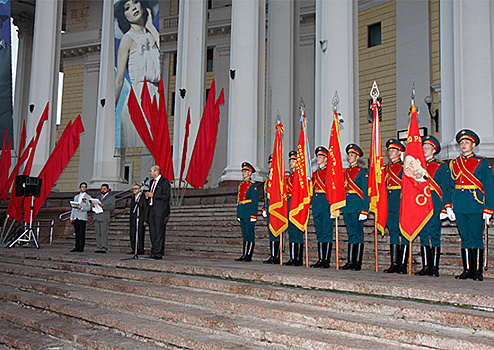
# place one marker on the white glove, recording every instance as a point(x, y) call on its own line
point(362, 217)
point(238, 219)
point(443, 216)
point(332, 216)
point(264, 214)
point(451, 214)
point(487, 218)
point(253, 220)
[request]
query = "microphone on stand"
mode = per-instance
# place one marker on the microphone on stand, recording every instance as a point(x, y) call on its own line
point(145, 184)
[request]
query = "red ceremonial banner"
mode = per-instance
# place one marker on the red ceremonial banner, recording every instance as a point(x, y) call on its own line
point(335, 177)
point(278, 205)
point(416, 202)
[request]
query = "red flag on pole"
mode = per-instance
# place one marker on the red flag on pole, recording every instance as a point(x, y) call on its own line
point(377, 186)
point(335, 177)
point(416, 202)
point(302, 182)
point(39, 128)
point(5, 161)
point(278, 205)
point(203, 152)
point(165, 160)
point(184, 151)
point(22, 158)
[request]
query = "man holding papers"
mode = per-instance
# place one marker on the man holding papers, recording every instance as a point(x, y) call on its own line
point(102, 207)
point(78, 216)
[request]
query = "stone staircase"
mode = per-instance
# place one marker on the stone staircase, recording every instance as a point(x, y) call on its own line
point(211, 231)
point(51, 299)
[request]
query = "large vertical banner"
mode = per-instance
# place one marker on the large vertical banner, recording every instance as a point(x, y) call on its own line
point(137, 59)
point(5, 71)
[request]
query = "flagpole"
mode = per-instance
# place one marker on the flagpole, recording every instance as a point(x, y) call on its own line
point(337, 243)
point(306, 238)
point(281, 249)
point(410, 259)
point(376, 256)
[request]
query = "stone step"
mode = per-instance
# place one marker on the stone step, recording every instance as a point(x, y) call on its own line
point(149, 327)
point(21, 337)
point(336, 315)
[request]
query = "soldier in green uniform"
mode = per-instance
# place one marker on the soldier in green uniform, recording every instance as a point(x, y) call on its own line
point(440, 184)
point(274, 242)
point(247, 205)
point(357, 207)
point(320, 211)
point(473, 202)
point(295, 235)
point(393, 173)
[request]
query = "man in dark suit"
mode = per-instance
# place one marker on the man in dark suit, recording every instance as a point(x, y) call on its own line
point(159, 211)
point(138, 215)
point(102, 219)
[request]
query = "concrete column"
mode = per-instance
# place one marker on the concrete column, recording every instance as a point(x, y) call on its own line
point(280, 74)
point(335, 70)
point(447, 124)
point(191, 61)
point(474, 70)
point(246, 98)
point(25, 24)
point(412, 61)
point(44, 77)
point(106, 167)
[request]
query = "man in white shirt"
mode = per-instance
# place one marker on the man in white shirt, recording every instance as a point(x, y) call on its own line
point(78, 217)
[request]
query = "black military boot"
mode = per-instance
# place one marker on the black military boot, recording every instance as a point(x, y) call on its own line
point(276, 255)
point(359, 254)
point(292, 255)
point(478, 265)
point(466, 257)
point(244, 245)
point(403, 268)
point(436, 253)
point(426, 253)
point(351, 258)
point(249, 251)
point(299, 254)
point(326, 259)
point(319, 252)
point(271, 254)
point(394, 251)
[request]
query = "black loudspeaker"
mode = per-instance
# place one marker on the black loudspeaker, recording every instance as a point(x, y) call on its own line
point(26, 186)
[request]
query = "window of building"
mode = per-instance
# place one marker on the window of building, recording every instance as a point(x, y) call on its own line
point(370, 115)
point(374, 35)
point(174, 64)
point(172, 109)
point(210, 4)
point(210, 60)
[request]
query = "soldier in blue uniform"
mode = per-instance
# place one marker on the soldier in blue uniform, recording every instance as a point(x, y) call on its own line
point(320, 211)
point(473, 202)
point(295, 235)
point(357, 207)
point(274, 242)
point(440, 184)
point(247, 205)
point(393, 173)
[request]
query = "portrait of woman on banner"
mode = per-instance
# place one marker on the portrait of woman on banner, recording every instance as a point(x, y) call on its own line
point(137, 59)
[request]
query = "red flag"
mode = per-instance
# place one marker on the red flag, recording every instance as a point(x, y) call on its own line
point(377, 186)
point(278, 205)
point(165, 160)
point(203, 153)
point(184, 151)
point(302, 183)
point(335, 177)
point(39, 128)
point(22, 158)
point(416, 202)
point(5, 162)
point(139, 122)
point(58, 161)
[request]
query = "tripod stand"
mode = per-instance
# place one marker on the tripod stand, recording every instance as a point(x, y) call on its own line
point(28, 234)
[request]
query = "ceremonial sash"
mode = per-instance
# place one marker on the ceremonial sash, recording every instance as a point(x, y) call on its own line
point(462, 170)
point(352, 185)
point(392, 175)
point(433, 184)
point(318, 182)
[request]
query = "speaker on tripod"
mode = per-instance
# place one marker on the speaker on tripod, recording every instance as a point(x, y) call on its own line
point(27, 186)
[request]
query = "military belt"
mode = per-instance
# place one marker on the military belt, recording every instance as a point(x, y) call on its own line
point(245, 201)
point(393, 188)
point(351, 191)
point(319, 191)
point(466, 187)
